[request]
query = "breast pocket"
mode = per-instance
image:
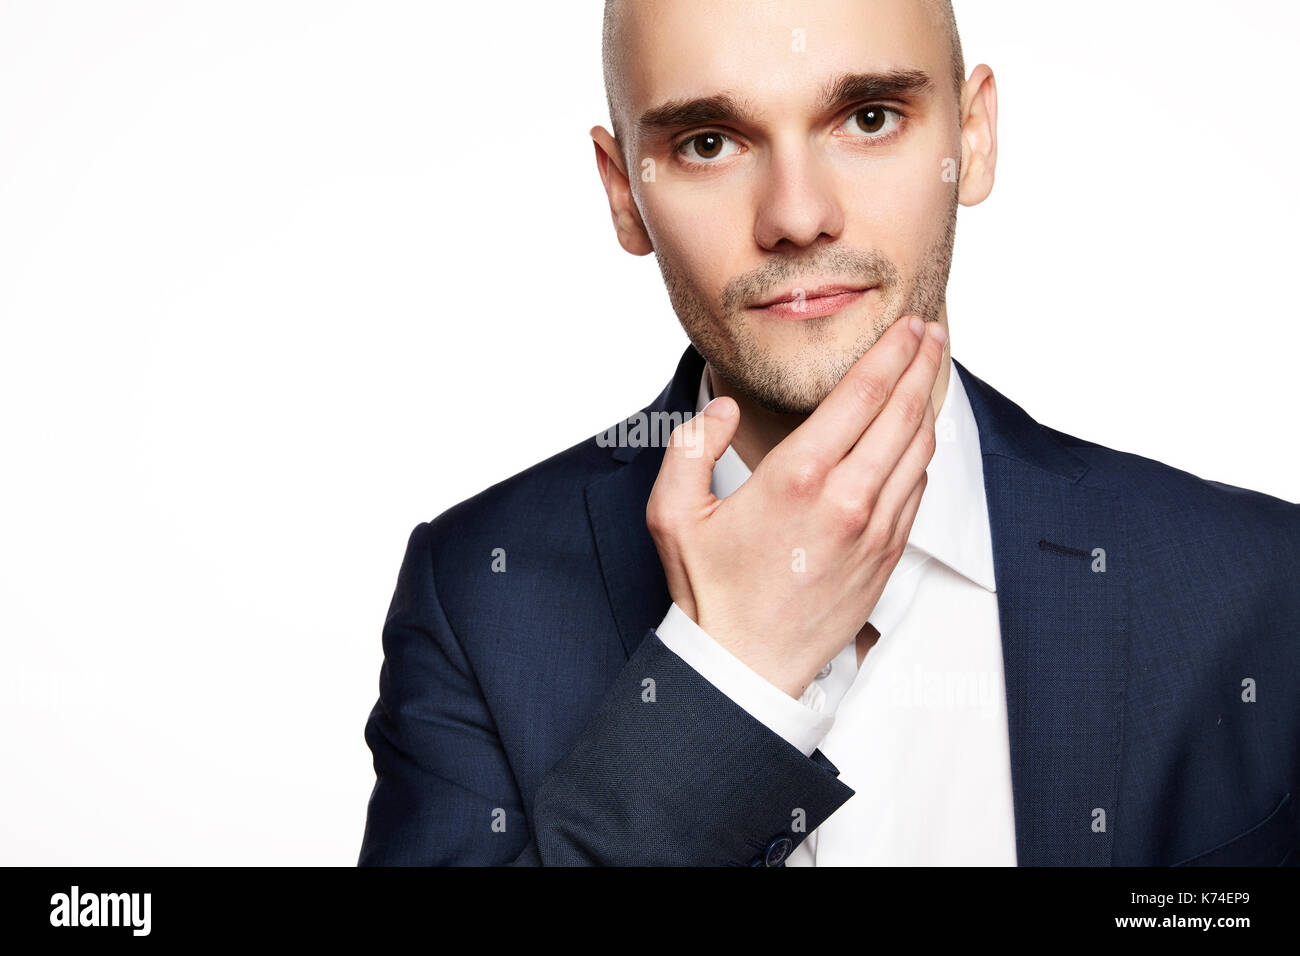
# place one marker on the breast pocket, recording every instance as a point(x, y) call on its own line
point(1271, 842)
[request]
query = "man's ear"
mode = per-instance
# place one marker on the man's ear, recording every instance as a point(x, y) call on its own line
point(979, 136)
point(631, 231)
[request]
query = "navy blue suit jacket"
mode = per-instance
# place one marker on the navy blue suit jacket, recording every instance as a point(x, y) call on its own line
point(514, 722)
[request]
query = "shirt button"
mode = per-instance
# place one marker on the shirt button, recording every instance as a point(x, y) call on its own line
point(824, 673)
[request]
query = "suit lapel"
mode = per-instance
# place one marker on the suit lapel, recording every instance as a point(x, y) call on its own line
point(1064, 624)
point(629, 561)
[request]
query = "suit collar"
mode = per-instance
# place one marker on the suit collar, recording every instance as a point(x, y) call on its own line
point(1007, 431)
point(678, 396)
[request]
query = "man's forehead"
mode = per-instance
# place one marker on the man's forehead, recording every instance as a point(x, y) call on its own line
point(768, 52)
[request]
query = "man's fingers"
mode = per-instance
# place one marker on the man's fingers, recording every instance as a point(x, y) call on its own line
point(911, 467)
point(839, 421)
point(903, 528)
point(682, 489)
point(881, 447)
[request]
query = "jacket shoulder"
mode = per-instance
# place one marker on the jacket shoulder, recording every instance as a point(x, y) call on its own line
point(1160, 489)
point(535, 515)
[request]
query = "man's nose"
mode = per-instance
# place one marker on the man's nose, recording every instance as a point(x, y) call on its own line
point(797, 201)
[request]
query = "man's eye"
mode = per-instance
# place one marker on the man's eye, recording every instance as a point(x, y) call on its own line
point(707, 147)
point(872, 122)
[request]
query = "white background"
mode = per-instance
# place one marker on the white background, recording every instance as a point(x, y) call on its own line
point(279, 280)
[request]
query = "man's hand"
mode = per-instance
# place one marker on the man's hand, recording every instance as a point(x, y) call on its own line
point(784, 572)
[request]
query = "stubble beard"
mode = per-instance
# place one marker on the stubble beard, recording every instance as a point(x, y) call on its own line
point(796, 385)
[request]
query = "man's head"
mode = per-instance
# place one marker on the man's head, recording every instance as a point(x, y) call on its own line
point(766, 151)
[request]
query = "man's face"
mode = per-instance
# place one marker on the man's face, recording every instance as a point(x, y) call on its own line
point(805, 185)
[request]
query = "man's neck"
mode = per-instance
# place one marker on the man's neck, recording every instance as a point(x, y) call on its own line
point(761, 430)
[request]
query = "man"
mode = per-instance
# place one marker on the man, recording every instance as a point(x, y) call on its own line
point(862, 609)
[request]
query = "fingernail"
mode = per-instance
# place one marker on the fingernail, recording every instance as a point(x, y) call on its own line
point(719, 408)
point(939, 332)
point(918, 327)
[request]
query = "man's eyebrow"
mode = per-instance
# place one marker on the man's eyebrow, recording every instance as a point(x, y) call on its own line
point(839, 91)
point(891, 85)
point(677, 114)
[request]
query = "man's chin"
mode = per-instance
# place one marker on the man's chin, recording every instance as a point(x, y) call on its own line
point(787, 389)
point(786, 377)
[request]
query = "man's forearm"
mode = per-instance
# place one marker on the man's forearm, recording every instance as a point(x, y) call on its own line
point(669, 771)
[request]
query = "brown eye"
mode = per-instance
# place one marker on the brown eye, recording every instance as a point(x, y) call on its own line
point(872, 124)
point(871, 119)
point(703, 148)
point(707, 145)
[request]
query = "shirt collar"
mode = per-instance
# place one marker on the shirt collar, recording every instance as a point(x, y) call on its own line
point(952, 523)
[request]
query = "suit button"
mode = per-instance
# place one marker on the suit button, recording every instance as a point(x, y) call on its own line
point(778, 848)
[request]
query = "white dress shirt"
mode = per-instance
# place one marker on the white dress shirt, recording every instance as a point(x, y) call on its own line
point(920, 730)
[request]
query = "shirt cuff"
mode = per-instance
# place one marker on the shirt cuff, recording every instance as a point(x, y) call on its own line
point(801, 726)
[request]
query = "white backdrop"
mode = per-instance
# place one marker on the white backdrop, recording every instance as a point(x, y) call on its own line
point(279, 280)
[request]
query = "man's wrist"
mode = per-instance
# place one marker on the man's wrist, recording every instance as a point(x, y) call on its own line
point(800, 724)
point(790, 673)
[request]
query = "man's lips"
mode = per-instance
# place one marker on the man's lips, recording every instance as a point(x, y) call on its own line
point(813, 303)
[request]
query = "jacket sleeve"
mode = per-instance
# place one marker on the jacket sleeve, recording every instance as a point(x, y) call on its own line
point(444, 792)
point(668, 770)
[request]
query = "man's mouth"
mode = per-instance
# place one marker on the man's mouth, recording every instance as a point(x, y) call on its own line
point(801, 302)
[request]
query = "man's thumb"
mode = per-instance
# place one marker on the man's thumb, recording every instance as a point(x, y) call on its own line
point(696, 445)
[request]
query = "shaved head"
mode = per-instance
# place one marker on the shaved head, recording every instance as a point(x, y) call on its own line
point(613, 53)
